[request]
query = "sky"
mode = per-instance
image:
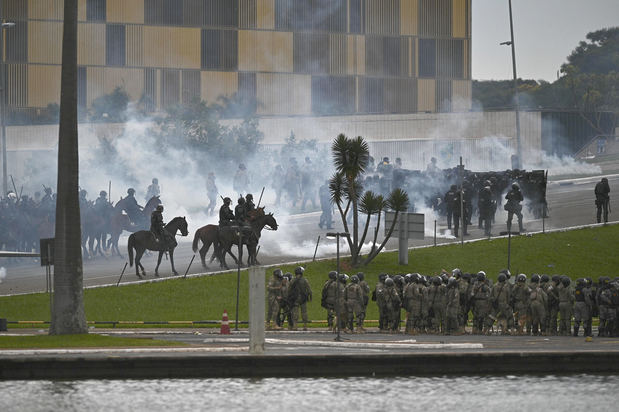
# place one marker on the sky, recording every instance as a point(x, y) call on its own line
point(545, 33)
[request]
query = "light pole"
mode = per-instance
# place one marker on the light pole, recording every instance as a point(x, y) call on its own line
point(336, 236)
point(511, 43)
point(2, 104)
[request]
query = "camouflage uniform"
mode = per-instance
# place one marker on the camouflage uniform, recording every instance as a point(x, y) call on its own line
point(538, 300)
point(328, 301)
point(582, 305)
point(299, 294)
point(393, 304)
point(480, 296)
point(521, 296)
point(354, 304)
point(566, 304)
point(275, 295)
point(500, 298)
point(553, 305)
point(452, 311)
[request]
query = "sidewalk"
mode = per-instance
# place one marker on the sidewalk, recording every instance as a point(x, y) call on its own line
point(315, 353)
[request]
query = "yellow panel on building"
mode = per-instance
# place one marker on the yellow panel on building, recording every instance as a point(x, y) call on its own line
point(91, 44)
point(408, 17)
point(96, 83)
point(265, 14)
point(46, 9)
point(283, 94)
point(131, 80)
point(215, 84)
point(355, 54)
point(265, 51)
point(461, 91)
point(47, 47)
point(81, 10)
point(171, 47)
point(43, 85)
point(125, 11)
point(426, 95)
point(458, 19)
point(134, 47)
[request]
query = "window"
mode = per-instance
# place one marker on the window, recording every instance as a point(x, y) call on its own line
point(427, 58)
point(166, 12)
point(219, 50)
point(95, 10)
point(115, 45)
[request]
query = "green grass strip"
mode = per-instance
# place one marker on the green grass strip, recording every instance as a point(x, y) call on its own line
point(78, 341)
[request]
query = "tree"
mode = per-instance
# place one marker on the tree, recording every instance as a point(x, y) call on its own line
point(351, 158)
point(111, 107)
point(68, 315)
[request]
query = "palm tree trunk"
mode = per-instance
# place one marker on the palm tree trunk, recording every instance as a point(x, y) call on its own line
point(68, 315)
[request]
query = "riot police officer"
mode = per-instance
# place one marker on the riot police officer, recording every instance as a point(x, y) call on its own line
point(239, 212)
point(249, 203)
point(513, 206)
point(156, 224)
point(602, 199)
point(226, 217)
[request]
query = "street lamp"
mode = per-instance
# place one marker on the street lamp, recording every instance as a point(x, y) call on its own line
point(336, 236)
point(2, 104)
point(511, 43)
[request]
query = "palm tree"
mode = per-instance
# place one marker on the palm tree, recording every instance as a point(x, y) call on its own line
point(351, 158)
point(68, 304)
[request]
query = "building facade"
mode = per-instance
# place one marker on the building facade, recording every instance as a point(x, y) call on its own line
point(283, 57)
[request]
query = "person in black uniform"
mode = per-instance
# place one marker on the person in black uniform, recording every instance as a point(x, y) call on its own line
point(226, 217)
point(602, 199)
point(156, 224)
point(486, 208)
point(513, 206)
point(448, 199)
point(239, 212)
point(249, 203)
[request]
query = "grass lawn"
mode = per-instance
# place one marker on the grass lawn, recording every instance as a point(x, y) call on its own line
point(578, 253)
point(78, 341)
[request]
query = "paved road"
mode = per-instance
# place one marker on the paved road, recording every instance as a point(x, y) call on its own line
point(571, 203)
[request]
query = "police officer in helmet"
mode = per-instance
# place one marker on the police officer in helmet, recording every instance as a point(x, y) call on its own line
point(226, 217)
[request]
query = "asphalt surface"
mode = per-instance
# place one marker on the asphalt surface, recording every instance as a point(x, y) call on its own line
point(571, 203)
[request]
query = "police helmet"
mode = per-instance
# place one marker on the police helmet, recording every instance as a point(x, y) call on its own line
point(466, 276)
point(502, 278)
point(299, 270)
point(343, 277)
point(521, 278)
point(160, 208)
point(361, 276)
point(506, 272)
point(589, 281)
point(556, 278)
point(249, 196)
point(103, 193)
point(242, 166)
point(453, 187)
point(130, 191)
point(155, 180)
point(535, 278)
point(333, 275)
point(389, 282)
point(227, 200)
point(416, 277)
point(288, 275)
point(386, 159)
point(397, 279)
point(605, 180)
point(515, 186)
point(241, 201)
point(481, 276)
point(382, 277)
point(487, 183)
point(452, 282)
point(437, 280)
point(277, 272)
point(545, 278)
point(83, 192)
point(457, 273)
point(408, 278)
point(354, 279)
point(566, 281)
point(444, 278)
point(580, 282)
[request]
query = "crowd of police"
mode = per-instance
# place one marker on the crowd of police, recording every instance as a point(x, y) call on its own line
point(539, 305)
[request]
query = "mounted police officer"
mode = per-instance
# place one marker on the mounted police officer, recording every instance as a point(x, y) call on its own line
point(156, 224)
point(226, 216)
point(153, 190)
point(513, 206)
point(240, 214)
point(101, 202)
point(602, 199)
point(131, 205)
point(249, 203)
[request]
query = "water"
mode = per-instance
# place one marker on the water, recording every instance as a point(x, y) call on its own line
point(552, 393)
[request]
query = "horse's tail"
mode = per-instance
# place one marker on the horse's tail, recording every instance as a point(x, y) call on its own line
point(196, 238)
point(130, 247)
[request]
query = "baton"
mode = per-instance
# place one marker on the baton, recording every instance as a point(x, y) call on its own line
point(259, 200)
point(14, 188)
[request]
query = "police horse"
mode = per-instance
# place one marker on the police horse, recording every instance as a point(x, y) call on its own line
point(223, 238)
point(145, 239)
point(119, 221)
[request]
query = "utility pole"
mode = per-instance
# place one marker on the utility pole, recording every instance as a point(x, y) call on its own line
point(5, 185)
point(518, 143)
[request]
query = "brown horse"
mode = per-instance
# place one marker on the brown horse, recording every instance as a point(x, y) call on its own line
point(223, 238)
point(144, 239)
point(120, 221)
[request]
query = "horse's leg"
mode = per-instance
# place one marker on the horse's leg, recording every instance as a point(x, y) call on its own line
point(138, 257)
point(203, 251)
point(158, 263)
point(172, 262)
